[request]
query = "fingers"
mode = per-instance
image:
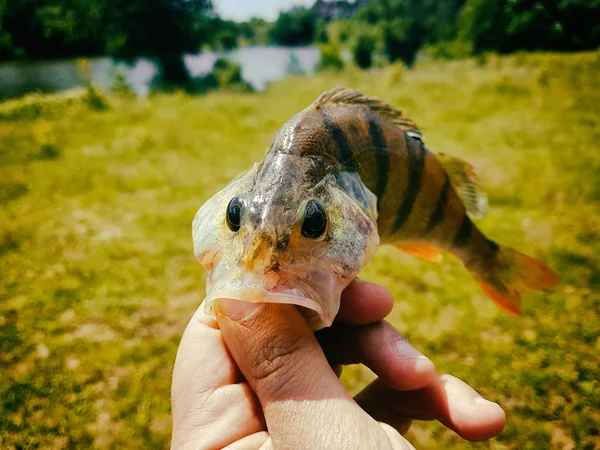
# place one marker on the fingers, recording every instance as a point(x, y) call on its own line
point(397, 441)
point(256, 441)
point(381, 348)
point(363, 303)
point(447, 399)
point(206, 393)
point(282, 361)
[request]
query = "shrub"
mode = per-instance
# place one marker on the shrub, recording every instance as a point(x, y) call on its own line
point(363, 51)
point(330, 58)
point(121, 86)
point(36, 105)
point(225, 74)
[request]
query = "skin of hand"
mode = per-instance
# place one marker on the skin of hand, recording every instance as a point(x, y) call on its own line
point(259, 378)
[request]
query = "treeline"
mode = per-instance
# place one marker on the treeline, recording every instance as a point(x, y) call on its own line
point(400, 29)
point(387, 30)
point(162, 29)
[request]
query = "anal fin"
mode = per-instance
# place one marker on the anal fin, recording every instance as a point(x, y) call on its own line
point(509, 301)
point(422, 250)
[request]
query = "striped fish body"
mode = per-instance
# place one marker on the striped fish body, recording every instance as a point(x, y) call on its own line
point(344, 175)
point(416, 202)
point(420, 195)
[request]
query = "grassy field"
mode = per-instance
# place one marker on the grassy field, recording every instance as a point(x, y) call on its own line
point(97, 276)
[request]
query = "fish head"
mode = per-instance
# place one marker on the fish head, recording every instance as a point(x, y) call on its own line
point(284, 233)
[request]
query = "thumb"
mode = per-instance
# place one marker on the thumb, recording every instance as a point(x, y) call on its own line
point(304, 403)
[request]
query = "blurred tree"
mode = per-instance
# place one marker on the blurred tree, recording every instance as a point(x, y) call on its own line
point(363, 51)
point(160, 29)
point(51, 28)
point(256, 31)
point(294, 27)
point(407, 25)
point(225, 74)
point(223, 34)
point(322, 36)
point(483, 23)
point(330, 58)
point(510, 25)
point(7, 47)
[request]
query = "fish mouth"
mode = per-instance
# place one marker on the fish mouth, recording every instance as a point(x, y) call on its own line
point(316, 293)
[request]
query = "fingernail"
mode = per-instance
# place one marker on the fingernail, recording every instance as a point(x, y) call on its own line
point(235, 309)
point(406, 351)
point(482, 401)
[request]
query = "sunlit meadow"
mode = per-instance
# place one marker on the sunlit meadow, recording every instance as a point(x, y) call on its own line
point(98, 280)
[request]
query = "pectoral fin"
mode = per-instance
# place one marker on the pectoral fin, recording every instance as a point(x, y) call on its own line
point(467, 185)
point(422, 250)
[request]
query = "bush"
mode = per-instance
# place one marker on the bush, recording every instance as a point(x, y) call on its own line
point(322, 35)
point(363, 51)
point(457, 49)
point(121, 86)
point(36, 105)
point(330, 58)
point(95, 98)
point(225, 74)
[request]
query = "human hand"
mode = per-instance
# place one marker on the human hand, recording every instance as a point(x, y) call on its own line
point(277, 378)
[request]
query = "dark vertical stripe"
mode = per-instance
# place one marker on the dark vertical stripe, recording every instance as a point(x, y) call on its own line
point(493, 245)
point(382, 157)
point(341, 141)
point(416, 166)
point(463, 235)
point(440, 208)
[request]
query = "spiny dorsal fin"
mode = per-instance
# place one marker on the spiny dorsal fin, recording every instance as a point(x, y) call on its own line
point(343, 95)
point(467, 185)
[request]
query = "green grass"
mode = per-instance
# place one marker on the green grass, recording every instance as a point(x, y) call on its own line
point(98, 279)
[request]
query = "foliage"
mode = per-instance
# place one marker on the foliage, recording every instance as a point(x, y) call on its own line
point(163, 29)
point(222, 34)
point(330, 58)
point(455, 49)
point(256, 31)
point(295, 27)
point(37, 105)
point(363, 51)
point(407, 25)
point(507, 26)
point(225, 74)
point(121, 85)
point(99, 279)
point(322, 35)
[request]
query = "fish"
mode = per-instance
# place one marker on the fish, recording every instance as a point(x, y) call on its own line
point(342, 177)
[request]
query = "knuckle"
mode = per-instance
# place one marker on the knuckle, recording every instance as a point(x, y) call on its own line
point(276, 356)
point(275, 365)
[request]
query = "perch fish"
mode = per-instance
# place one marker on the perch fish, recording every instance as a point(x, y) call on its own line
point(343, 176)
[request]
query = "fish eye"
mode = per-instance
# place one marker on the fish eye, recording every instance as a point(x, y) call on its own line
point(234, 213)
point(314, 224)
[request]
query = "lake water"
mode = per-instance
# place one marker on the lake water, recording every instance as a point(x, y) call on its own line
point(260, 65)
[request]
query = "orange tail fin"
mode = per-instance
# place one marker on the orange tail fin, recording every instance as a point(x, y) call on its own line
point(513, 274)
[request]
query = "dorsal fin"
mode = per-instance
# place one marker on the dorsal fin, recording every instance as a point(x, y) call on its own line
point(466, 183)
point(344, 95)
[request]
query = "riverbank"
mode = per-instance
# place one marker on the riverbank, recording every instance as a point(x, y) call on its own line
point(99, 280)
